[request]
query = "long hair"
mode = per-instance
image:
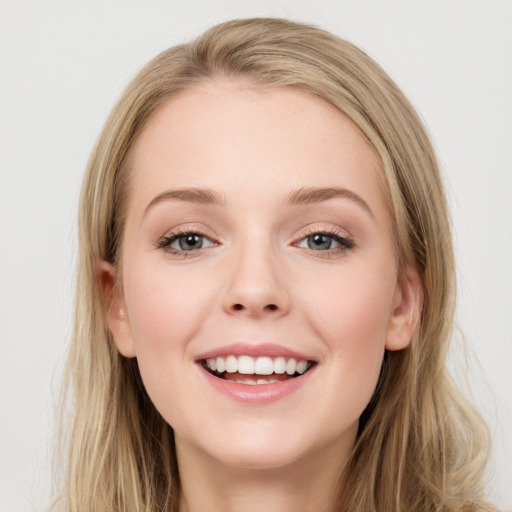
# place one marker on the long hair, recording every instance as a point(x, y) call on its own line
point(420, 445)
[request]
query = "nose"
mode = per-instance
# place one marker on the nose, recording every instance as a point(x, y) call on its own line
point(257, 285)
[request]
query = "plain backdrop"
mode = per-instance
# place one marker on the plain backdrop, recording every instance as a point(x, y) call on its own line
point(62, 66)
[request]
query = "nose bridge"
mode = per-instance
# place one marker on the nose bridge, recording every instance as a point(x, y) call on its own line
point(255, 283)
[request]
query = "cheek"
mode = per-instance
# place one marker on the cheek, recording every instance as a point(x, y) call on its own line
point(353, 307)
point(165, 310)
point(164, 305)
point(351, 315)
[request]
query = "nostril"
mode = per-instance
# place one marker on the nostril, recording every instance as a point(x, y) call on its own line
point(268, 307)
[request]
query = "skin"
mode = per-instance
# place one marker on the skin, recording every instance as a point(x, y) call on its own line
point(256, 280)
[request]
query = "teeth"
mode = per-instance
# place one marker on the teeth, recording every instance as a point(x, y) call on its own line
point(280, 365)
point(257, 382)
point(264, 366)
point(231, 364)
point(291, 366)
point(302, 366)
point(221, 365)
point(247, 365)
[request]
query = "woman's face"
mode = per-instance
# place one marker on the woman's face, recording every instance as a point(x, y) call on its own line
point(258, 240)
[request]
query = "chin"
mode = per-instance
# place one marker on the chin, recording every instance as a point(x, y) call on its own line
point(258, 458)
point(250, 448)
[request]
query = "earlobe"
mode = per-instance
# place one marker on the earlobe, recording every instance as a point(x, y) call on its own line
point(407, 306)
point(116, 317)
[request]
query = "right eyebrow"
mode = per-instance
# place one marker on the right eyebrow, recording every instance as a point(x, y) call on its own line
point(191, 195)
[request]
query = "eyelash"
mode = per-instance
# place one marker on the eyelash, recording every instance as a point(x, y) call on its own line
point(165, 242)
point(346, 243)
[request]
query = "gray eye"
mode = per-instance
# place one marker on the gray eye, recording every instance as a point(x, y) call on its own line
point(189, 242)
point(319, 242)
point(325, 242)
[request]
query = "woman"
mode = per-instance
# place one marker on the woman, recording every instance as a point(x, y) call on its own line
point(266, 290)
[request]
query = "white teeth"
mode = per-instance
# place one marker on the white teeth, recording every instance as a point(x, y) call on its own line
point(280, 365)
point(264, 366)
point(302, 366)
point(231, 364)
point(291, 366)
point(257, 382)
point(247, 365)
point(221, 365)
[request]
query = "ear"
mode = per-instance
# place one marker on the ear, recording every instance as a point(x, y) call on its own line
point(407, 306)
point(114, 308)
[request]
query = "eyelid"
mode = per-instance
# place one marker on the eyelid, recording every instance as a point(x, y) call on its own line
point(313, 229)
point(164, 242)
point(345, 240)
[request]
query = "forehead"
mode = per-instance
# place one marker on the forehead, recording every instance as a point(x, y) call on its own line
point(222, 132)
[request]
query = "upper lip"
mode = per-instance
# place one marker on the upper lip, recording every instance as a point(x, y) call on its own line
point(254, 350)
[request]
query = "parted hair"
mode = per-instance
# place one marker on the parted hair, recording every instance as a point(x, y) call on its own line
point(420, 445)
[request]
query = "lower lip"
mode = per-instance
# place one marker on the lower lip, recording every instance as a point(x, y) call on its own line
point(259, 393)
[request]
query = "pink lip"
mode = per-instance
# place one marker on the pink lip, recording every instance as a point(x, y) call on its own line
point(259, 350)
point(258, 394)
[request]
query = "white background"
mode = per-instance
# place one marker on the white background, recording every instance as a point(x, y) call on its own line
point(62, 66)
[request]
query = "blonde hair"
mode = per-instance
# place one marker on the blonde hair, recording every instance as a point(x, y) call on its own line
point(420, 445)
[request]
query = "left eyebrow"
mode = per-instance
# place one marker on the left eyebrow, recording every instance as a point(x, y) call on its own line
point(318, 194)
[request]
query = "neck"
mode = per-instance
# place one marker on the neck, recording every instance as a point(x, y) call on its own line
point(311, 484)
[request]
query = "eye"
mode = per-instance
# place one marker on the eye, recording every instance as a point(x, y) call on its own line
point(184, 242)
point(325, 241)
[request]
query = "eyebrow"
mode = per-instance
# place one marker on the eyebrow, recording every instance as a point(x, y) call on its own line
point(305, 195)
point(191, 195)
point(311, 195)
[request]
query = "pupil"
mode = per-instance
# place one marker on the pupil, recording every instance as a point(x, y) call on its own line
point(319, 241)
point(190, 242)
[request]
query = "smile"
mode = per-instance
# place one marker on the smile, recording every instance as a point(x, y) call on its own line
point(245, 369)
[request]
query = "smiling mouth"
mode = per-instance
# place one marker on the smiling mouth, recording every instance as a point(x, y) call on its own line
point(256, 370)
